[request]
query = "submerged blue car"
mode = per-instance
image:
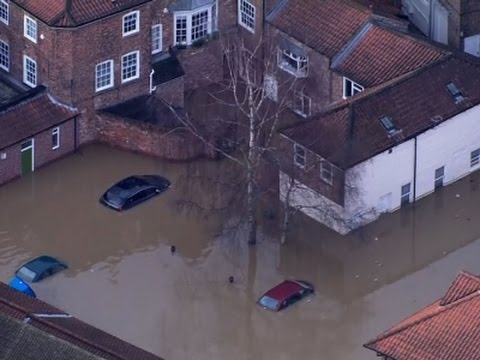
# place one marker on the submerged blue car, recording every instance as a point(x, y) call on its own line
point(35, 270)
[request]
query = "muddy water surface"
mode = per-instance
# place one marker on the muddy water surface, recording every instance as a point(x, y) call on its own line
point(124, 279)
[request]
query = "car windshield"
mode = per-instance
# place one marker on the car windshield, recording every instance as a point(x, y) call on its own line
point(130, 183)
point(26, 274)
point(268, 302)
point(115, 197)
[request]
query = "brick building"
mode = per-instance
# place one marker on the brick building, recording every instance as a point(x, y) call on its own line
point(35, 130)
point(96, 54)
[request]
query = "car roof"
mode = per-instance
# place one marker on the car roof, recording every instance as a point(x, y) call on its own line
point(41, 263)
point(283, 290)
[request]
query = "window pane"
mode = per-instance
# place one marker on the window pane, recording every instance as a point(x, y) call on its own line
point(4, 11)
point(130, 23)
point(247, 14)
point(156, 38)
point(4, 56)
point(199, 25)
point(103, 75)
point(130, 66)
point(181, 30)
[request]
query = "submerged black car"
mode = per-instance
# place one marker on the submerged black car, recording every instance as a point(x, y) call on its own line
point(134, 190)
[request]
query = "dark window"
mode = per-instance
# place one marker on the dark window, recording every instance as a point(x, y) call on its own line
point(405, 197)
point(388, 125)
point(474, 158)
point(439, 175)
point(455, 92)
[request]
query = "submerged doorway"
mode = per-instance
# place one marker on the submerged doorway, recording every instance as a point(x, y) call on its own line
point(27, 157)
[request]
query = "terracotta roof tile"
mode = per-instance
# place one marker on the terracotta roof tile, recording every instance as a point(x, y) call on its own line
point(29, 114)
point(380, 54)
point(411, 102)
point(72, 330)
point(439, 332)
point(323, 25)
point(55, 13)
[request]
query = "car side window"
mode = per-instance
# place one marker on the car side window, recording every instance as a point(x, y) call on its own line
point(137, 197)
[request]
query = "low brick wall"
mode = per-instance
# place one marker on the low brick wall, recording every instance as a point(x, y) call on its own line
point(178, 145)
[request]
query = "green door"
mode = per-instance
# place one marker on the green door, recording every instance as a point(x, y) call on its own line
point(27, 157)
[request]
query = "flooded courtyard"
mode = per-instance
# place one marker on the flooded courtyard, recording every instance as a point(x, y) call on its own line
point(124, 279)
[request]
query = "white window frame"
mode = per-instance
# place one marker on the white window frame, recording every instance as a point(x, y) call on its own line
point(246, 15)
point(136, 14)
point(4, 55)
point(137, 66)
point(355, 88)
point(188, 15)
point(27, 59)
point(110, 75)
point(157, 38)
point(326, 172)
point(305, 108)
point(297, 156)
point(4, 10)
point(27, 20)
point(55, 135)
point(299, 71)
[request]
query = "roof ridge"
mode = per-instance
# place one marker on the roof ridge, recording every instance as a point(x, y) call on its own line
point(22, 98)
point(347, 49)
point(434, 313)
point(61, 329)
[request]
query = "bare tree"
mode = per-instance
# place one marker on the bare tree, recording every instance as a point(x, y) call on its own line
point(252, 105)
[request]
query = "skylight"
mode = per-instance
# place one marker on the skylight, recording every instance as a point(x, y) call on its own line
point(456, 94)
point(388, 125)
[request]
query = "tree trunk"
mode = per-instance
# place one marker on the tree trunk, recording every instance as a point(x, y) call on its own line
point(286, 212)
point(251, 166)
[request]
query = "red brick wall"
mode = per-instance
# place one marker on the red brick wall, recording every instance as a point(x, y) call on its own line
point(43, 144)
point(43, 153)
point(10, 168)
point(321, 85)
point(310, 176)
point(172, 92)
point(146, 139)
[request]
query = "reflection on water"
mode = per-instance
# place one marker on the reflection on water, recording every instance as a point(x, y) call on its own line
point(124, 278)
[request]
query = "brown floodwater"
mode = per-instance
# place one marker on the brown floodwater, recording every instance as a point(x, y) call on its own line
point(124, 279)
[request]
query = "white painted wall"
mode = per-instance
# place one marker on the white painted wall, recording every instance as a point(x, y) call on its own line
point(374, 186)
point(377, 182)
point(449, 144)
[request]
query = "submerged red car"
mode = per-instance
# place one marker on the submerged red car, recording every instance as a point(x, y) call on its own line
point(285, 294)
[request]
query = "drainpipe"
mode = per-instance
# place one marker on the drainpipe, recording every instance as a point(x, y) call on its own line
point(75, 133)
point(152, 89)
point(415, 169)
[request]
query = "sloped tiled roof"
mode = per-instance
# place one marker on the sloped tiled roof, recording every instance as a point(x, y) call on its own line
point(74, 12)
point(324, 25)
point(351, 132)
point(377, 55)
point(69, 329)
point(19, 340)
point(30, 113)
point(449, 329)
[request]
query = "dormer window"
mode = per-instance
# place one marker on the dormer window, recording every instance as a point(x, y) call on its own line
point(194, 24)
point(388, 125)
point(292, 58)
point(455, 93)
point(131, 23)
point(350, 88)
